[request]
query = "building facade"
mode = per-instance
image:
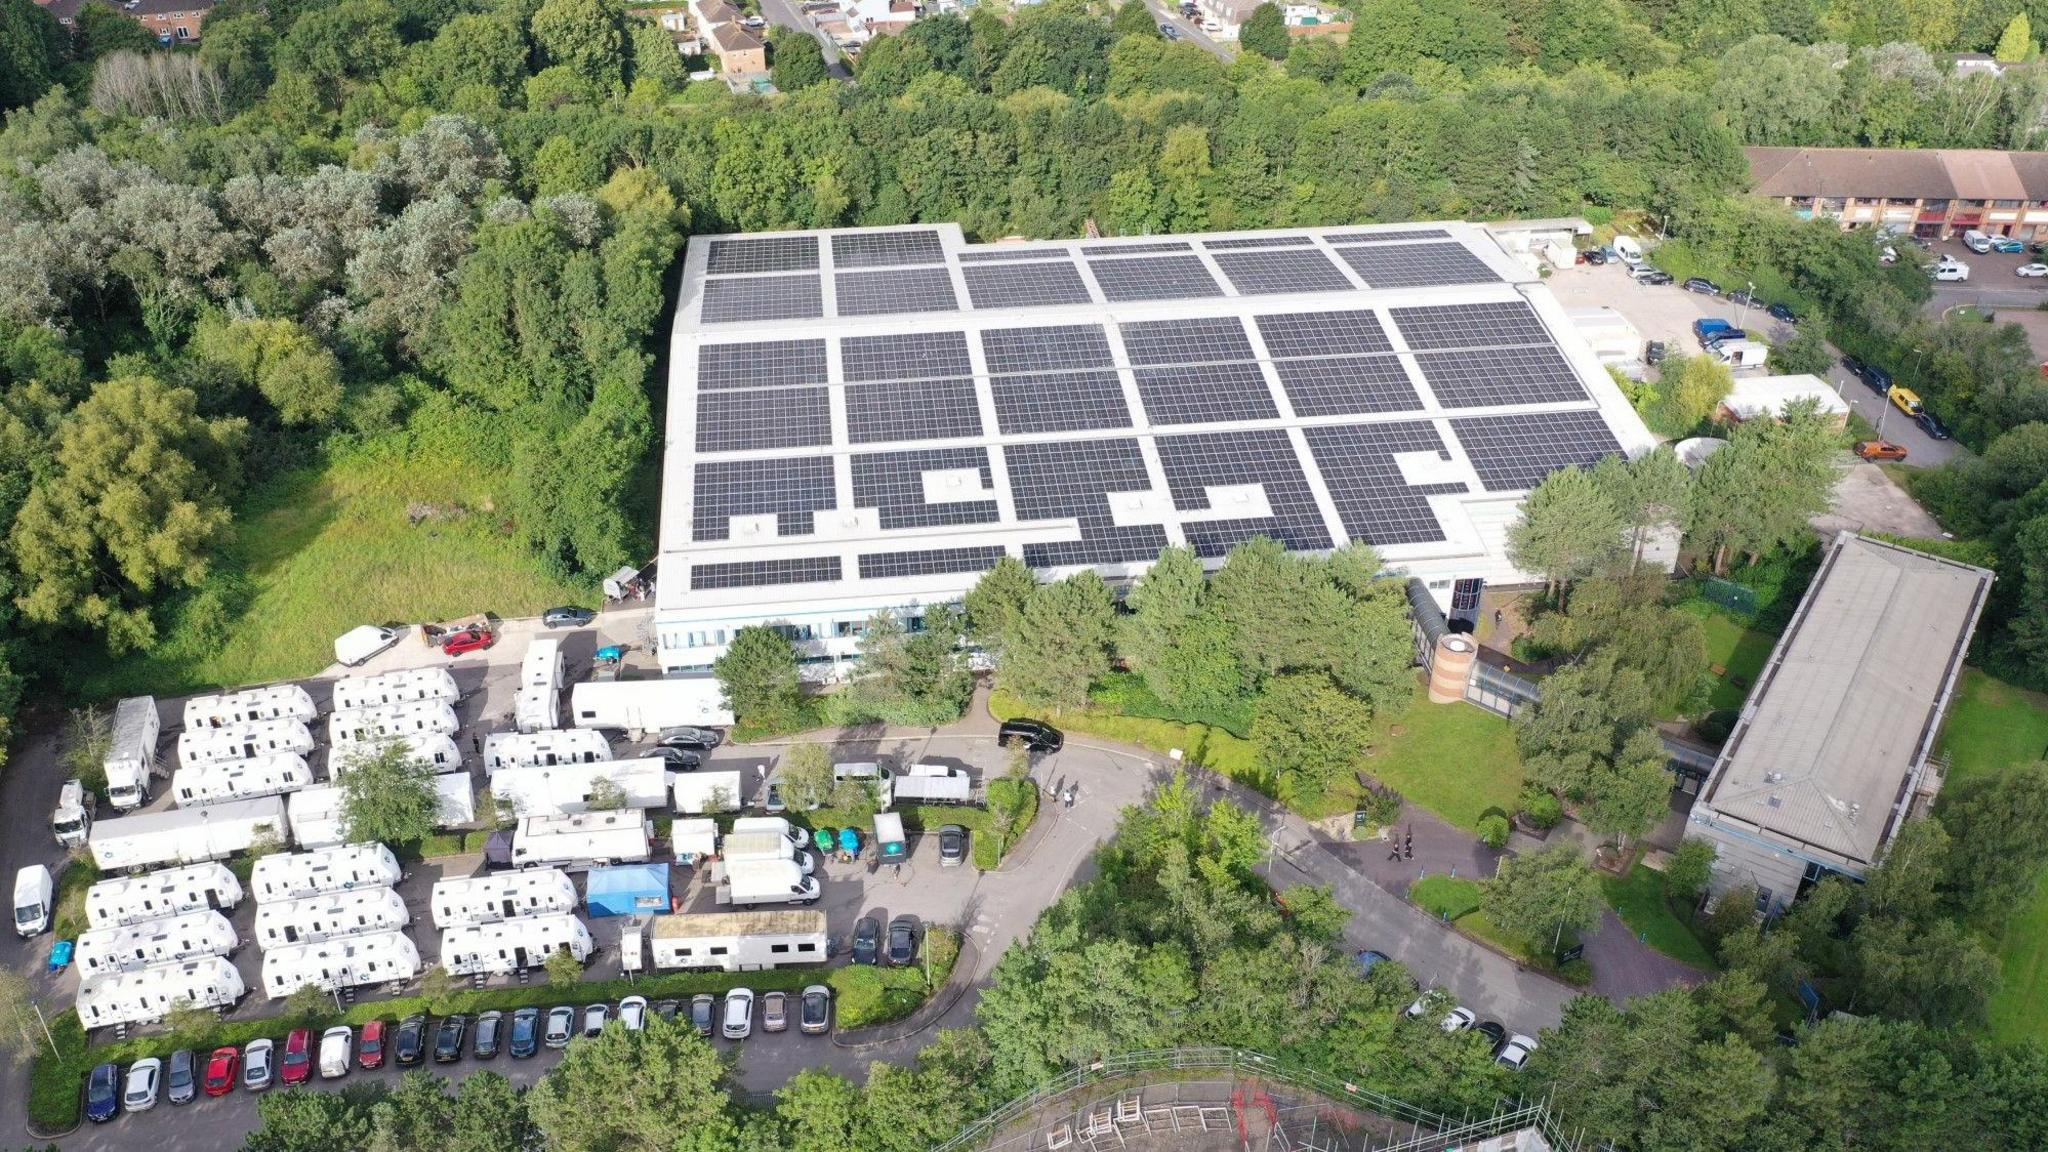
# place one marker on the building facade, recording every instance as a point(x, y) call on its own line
point(1933, 193)
point(172, 21)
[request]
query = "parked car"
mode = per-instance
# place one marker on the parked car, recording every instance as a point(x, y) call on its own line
point(1169, 32)
point(561, 1025)
point(336, 1045)
point(525, 1033)
point(1032, 734)
point(1701, 285)
point(1458, 1019)
point(103, 1093)
point(411, 1047)
point(1880, 450)
point(952, 845)
point(448, 1038)
point(1782, 313)
point(180, 1084)
point(297, 1066)
point(702, 1006)
point(490, 1029)
point(1950, 271)
point(1934, 428)
point(221, 1069)
point(2007, 244)
point(1494, 1033)
point(815, 1011)
point(1905, 400)
point(1654, 352)
point(1976, 241)
point(902, 941)
point(595, 1017)
point(468, 640)
point(633, 1013)
point(1650, 277)
point(667, 1009)
point(370, 1048)
point(771, 799)
point(145, 1079)
point(697, 738)
point(567, 616)
point(739, 1014)
point(256, 1065)
point(775, 1012)
point(679, 759)
point(867, 940)
point(1515, 1053)
point(1369, 959)
point(2031, 270)
point(1743, 296)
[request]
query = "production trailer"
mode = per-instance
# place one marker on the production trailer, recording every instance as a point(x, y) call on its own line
point(747, 882)
point(738, 941)
point(934, 784)
point(277, 702)
point(693, 840)
point(502, 896)
point(508, 946)
point(174, 891)
point(650, 705)
point(436, 750)
point(345, 962)
point(387, 722)
point(698, 793)
point(537, 709)
point(297, 875)
point(187, 937)
point(330, 916)
point(584, 840)
point(405, 686)
point(542, 666)
point(241, 779)
point(147, 995)
point(764, 846)
point(544, 749)
point(316, 813)
point(131, 760)
point(570, 788)
point(185, 835)
point(244, 741)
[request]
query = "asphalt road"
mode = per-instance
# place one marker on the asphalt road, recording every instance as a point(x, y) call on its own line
point(1922, 450)
point(785, 14)
point(1190, 31)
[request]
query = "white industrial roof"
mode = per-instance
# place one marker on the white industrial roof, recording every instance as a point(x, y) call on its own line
point(1754, 396)
point(872, 416)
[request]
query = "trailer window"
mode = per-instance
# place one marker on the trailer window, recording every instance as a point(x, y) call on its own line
point(778, 948)
point(717, 951)
point(807, 947)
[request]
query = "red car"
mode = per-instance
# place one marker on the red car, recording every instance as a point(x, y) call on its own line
point(370, 1049)
point(468, 640)
point(297, 1067)
point(221, 1069)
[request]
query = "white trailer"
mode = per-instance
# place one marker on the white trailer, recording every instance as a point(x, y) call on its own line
point(697, 793)
point(542, 749)
point(167, 941)
point(297, 875)
point(244, 741)
point(404, 686)
point(276, 702)
point(693, 840)
point(240, 779)
point(650, 705)
point(454, 800)
point(934, 784)
point(738, 941)
point(742, 883)
point(542, 665)
point(501, 896)
point(185, 835)
point(71, 819)
point(776, 824)
point(386, 722)
point(131, 756)
point(344, 962)
point(435, 750)
point(330, 916)
point(512, 945)
point(537, 709)
point(147, 995)
point(764, 846)
point(584, 840)
point(315, 815)
point(171, 892)
point(568, 788)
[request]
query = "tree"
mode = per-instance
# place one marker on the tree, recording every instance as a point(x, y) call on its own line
point(1133, 18)
point(759, 677)
point(657, 1089)
point(388, 795)
point(88, 737)
point(1570, 740)
point(1310, 734)
point(1650, 493)
point(1538, 896)
point(1760, 492)
point(587, 37)
point(796, 60)
point(655, 57)
point(605, 796)
point(1996, 853)
point(995, 605)
point(32, 48)
point(1686, 876)
point(1807, 351)
point(1700, 384)
point(312, 1121)
point(805, 777)
point(100, 30)
point(821, 1110)
point(1062, 643)
point(280, 359)
point(1936, 972)
point(907, 677)
point(2016, 43)
point(307, 1002)
point(1265, 32)
point(564, 969)
point(1569, 527)
point(1633, 796)
point(436, 984)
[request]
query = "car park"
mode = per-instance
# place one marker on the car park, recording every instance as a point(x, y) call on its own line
point(221, 1069)
point(739, 1014)
point(1701, 285)
point(1032, 734)
point(103, 1093)
point(145, 1078)
point(411, 1046)
point(2031, 270)
point(702, 1007)
point(1880, 450)
point(952, 845)
point(775, 1012)
point(297, 1065)
point(561, 1026)
point(595, 1017)
point(1515, 1053)
point(1782, 313)
point(567, 616)
point(703, 739)
point(1934, 428)
point(633, 1013)
point(256, 1065)
point(867, 940)
point(902, 941)
point(468, 640)
point(490, 1030)
point(1458, 1019)
point(335, 1045)
point(370, 1048)
point(180, 1083)
point(814, 1012)
point(525, 1033)
point(448, 1038)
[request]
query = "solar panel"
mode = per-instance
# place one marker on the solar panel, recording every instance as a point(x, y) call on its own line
point(762, 254)
point(1389, 234)
point(1417, 265)
point(1199, 340)
point(1050, 349)
point(895, 290)
point(1322, 333)
point(893, 483)
point(757, 364)
point(1512, 453)
point(1470, 325)
point(763, 573)
point(991, 255)
point(880, 249)
point(1059, 402)
point(791, 490)
point(1205, 393)
point(1258, 242)
point(904, 356)
point(1032, 285)
point(736, 299)
point(1096, 251)
point(742, 419)
point(1373, 501)
point(1495, 377)
point(1155, 278)
point(912, 410)
point(1347, 385)
point(1071, 480)
point(1264, 456)
point(1282, 270)
point(930, 562)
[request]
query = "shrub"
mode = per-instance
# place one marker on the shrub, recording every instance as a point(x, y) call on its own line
point(1540, 808)
point(1493, 831)
point(1715, 726)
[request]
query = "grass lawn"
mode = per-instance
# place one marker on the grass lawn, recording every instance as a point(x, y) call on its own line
point(1446, 897)
point(1456, 760)
point(1457, 900)
point(1639, 900)
point(1212, 747)
point(1734, 646)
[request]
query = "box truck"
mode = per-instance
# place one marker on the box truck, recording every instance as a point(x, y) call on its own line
point(240, 779)
point(344, 962)
point(35, 895)
point(154, 895)
point(166, 941)
point(244, 741)
point(738, 941)
point(541, 749)
point(742, 883)
point(890, 846)
point(387, 722)
point(584, 840)
point(764, 846)
point(776, 824)
point(354, 648)
point(131, 758)
point(147, 995)
point(569, 788)
point(277, 702)
point(512, 945)
point(934, 784)
point(405, 686)
point(501, 896)
point(650, 705)
point(697, 793)
point(297, 875)
point(329, 916)
point(71, 819)
point(186, 835)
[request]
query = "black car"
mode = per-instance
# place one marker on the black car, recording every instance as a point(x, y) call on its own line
point(448, 1038)
point(867, 940)
point(489, 1028)
point(952, 845)
point(1934, 428)
point(679, 760)
point(698, 738)
point(1596, 255)
point(1880, 381)
point(1169, 31)
point(1701, 285)
point(1854, 367)
point(702, 1007)
point(1034, 735)
point(1494, 1033)
point(902, 941)
point(411, 1046)
point(1743, 296)
point(1652, 277)
point(567, 616)
point(103, 1093)
point(1782, 313)
point(1655, 351)
point(667, 1009)
point(525, 1033)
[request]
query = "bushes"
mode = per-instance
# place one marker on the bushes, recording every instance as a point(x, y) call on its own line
point(1540, 809)
point(1493, 830)
point(866, 995)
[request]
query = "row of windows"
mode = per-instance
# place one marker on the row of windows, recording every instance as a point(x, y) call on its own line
point(722, 950)
point(833, 630)
point(1836, 203)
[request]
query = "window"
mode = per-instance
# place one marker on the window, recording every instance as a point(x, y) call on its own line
point(845, 628)
point(2005, 203)
point(717, 950)
point(1934, 205)
point(807, 947)
point(778, 948)
point(683, 952)
point(184, 33)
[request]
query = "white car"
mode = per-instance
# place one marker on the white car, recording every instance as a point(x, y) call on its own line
point(2031, 270)
point(633, 1013)
point(1514, 1052)
point(256, 1069)
point(1458, 1019)
point(739, 1014)
point(144, 1076)
point(561, 1025)
point(337, 1045)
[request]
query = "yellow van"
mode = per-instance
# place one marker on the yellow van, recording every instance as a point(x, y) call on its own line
point(1906, 399)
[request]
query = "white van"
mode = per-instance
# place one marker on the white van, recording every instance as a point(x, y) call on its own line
point(1976, 241)
point(1631, 253)
point(1951, 270)
point(358, 644)
point(34, 893)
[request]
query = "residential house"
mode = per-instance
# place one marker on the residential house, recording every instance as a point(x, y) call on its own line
point(1221, 18)
point(738, 50)
point(173, 21)
point(1930, 192)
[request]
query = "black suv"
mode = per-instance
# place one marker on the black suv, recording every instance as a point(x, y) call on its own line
point(867, 940)
point(1034, 735)
point(448, 1040)
point(412, 1041)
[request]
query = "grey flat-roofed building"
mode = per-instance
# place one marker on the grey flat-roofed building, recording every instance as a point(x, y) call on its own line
point(1831, 749)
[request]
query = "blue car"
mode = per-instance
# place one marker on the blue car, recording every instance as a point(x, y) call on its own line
point(2006, 244)
point(103, 1093)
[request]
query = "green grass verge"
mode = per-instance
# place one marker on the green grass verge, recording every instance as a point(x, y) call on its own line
point(1127, 694)
point(73, 879)
point(1446, 897)
point(1638, 898)
point(1456, 760)
point(1735, 647)
point(1456, 900)
point(865, 995)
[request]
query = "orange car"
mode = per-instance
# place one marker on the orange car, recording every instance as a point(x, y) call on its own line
point(1880, 450)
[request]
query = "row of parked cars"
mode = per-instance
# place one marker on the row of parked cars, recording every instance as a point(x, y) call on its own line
point(1510, 1050)
point(522, 1032)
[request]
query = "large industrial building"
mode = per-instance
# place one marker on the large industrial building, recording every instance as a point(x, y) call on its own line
point(864, 420)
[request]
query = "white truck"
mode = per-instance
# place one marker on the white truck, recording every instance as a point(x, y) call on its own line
point(131, 759)
point(154, 895)
point(71, 819)
point(185, 835)
point(166, 941)
point(512, 945)
point(354, 648)
point(35, 895)
point(297, 875)
point(934, 784)
point(743, 883)
point(147, 995)
point(404, 686)
point(240, 779)
point(650, 705)
point(243, 742)
point(277, 702)
point(698, 793)
point(764, 846)
point(387, 722)
point(584, 840)
point(737, 941)
point(569, 788)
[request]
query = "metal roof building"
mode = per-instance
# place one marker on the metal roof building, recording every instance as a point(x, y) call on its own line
point(867, 419)
point(1830, 753)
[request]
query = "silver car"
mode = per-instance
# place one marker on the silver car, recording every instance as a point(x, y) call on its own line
point(561, 1026)
point(256, 1065)
point(144, 1078)
point(181, 1082)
